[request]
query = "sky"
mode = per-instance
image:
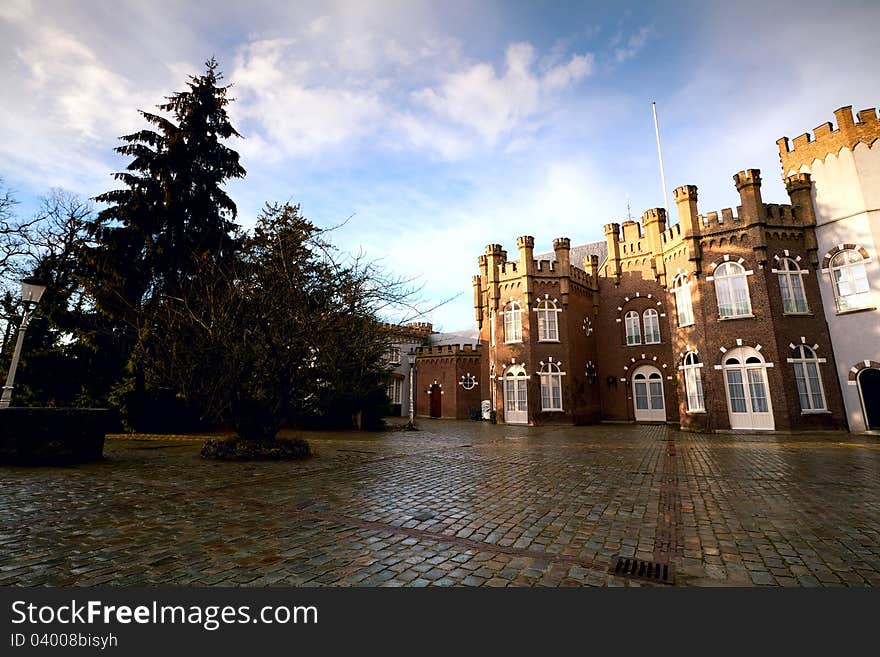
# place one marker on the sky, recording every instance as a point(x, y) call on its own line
point(435, 128)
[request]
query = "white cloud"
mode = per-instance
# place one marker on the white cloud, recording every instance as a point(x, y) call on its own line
point(633, 47)
point(479, 99)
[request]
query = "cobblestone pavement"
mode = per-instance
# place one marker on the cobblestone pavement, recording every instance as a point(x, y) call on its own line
point(458, 503)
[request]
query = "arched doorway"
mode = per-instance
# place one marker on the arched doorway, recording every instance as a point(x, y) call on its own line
point(869, 389)
point(748, 395)
point(516, 405)
point(436, 392)
point(648, 402)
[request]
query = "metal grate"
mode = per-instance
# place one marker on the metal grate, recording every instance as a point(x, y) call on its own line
point(651, 571)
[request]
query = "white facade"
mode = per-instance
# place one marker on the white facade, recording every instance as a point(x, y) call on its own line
point(846, 200)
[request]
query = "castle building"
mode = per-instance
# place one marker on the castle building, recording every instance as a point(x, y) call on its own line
point(844, 166)
point(723, 321)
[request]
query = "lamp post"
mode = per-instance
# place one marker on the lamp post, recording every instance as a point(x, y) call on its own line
point(412, 385)
point(31, 292)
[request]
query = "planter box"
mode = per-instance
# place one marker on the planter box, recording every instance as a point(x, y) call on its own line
point(51, 436)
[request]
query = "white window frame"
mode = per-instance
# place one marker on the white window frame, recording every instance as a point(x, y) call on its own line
point(693, 382)
point(512, 322)
point(729, 278)
point(684, 307)
point(633, 328)
point(551, 380)
point(804, 357)
point(863, 298)
point(548, 324)
point(395, 391)
point(791, 279)
point(651, 337)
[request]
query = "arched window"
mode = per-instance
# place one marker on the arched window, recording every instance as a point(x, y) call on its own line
point(652, 326)
point(791, 286)
point(683, 306)
point(548, 328)
point(732, 289)
point(512, 322)
point(849, 278)
point(808, 379)
point(693, 382)
point(551, 387)
point(633, 329)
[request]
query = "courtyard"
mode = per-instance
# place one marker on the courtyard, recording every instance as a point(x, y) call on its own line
point(456, 503)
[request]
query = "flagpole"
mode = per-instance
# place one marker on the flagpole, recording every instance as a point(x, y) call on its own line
point(660, 156)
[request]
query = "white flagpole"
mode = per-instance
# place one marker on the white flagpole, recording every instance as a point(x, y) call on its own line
point(660, 155)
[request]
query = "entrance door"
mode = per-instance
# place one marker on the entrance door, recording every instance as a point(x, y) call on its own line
point(748, 398)
point(516, 405)
point(648, 399)
point(869, 388)
point(436, 393)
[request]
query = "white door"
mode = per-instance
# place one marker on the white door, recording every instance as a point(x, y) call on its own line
point(748, 396)
point(648, 400)
point(516, 409)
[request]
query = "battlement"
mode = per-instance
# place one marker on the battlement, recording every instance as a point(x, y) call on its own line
point(525, 242)
point(747, 177)
point(825, 140)
point(545, 266)
point(449, 350)
point(561, 243)
point(412, 330)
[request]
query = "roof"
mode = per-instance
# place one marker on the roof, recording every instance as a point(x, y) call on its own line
point(471, 336)
point(578, 253)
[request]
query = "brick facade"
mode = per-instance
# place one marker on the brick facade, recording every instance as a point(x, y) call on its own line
point(644, 262)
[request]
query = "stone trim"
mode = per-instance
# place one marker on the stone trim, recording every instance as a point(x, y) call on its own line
point(855, 369)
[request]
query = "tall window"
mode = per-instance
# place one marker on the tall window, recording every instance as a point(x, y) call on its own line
point(633, 330)
point(808, 379)
point(693, 382)
point(551, 387)
point(548, 328)
point(395, 391)
point(849, 278)
point(683, 306)
point(791, 286)
point(512, 322)
point(652, 326)
point(732, 288)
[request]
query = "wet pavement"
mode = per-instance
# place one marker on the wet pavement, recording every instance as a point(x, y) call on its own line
point(457, 503)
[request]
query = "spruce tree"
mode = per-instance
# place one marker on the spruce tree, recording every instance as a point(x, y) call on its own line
point(170, 217)
point(173, 210)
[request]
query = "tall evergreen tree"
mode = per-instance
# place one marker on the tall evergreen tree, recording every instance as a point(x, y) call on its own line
point(173, 210)
point(171, 216)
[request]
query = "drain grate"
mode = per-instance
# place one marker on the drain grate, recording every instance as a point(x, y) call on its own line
point(651, 571)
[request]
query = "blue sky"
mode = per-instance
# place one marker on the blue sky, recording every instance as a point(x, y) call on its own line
point(439, 127)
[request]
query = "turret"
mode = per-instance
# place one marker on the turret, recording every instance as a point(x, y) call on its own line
point(612, 238)
point(495, 257)
point(800, 190)
point(686, 202)
point(654, 221)
point(689, 219)
point(748, 184)
point(562, 249)
point(526, 246)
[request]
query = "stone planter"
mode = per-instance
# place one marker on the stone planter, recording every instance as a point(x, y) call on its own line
point(53, 436)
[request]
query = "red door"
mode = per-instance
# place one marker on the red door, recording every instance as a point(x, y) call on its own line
point(435, 392)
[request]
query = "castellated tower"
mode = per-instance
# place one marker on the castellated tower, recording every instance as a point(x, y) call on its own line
point(844, 166)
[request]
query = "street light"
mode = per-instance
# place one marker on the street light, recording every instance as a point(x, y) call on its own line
point(31, 292)
point(411, 357)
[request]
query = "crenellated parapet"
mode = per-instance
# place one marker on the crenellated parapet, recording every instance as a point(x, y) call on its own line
point(448, 350)
point(415, 331)
point(825, 140)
